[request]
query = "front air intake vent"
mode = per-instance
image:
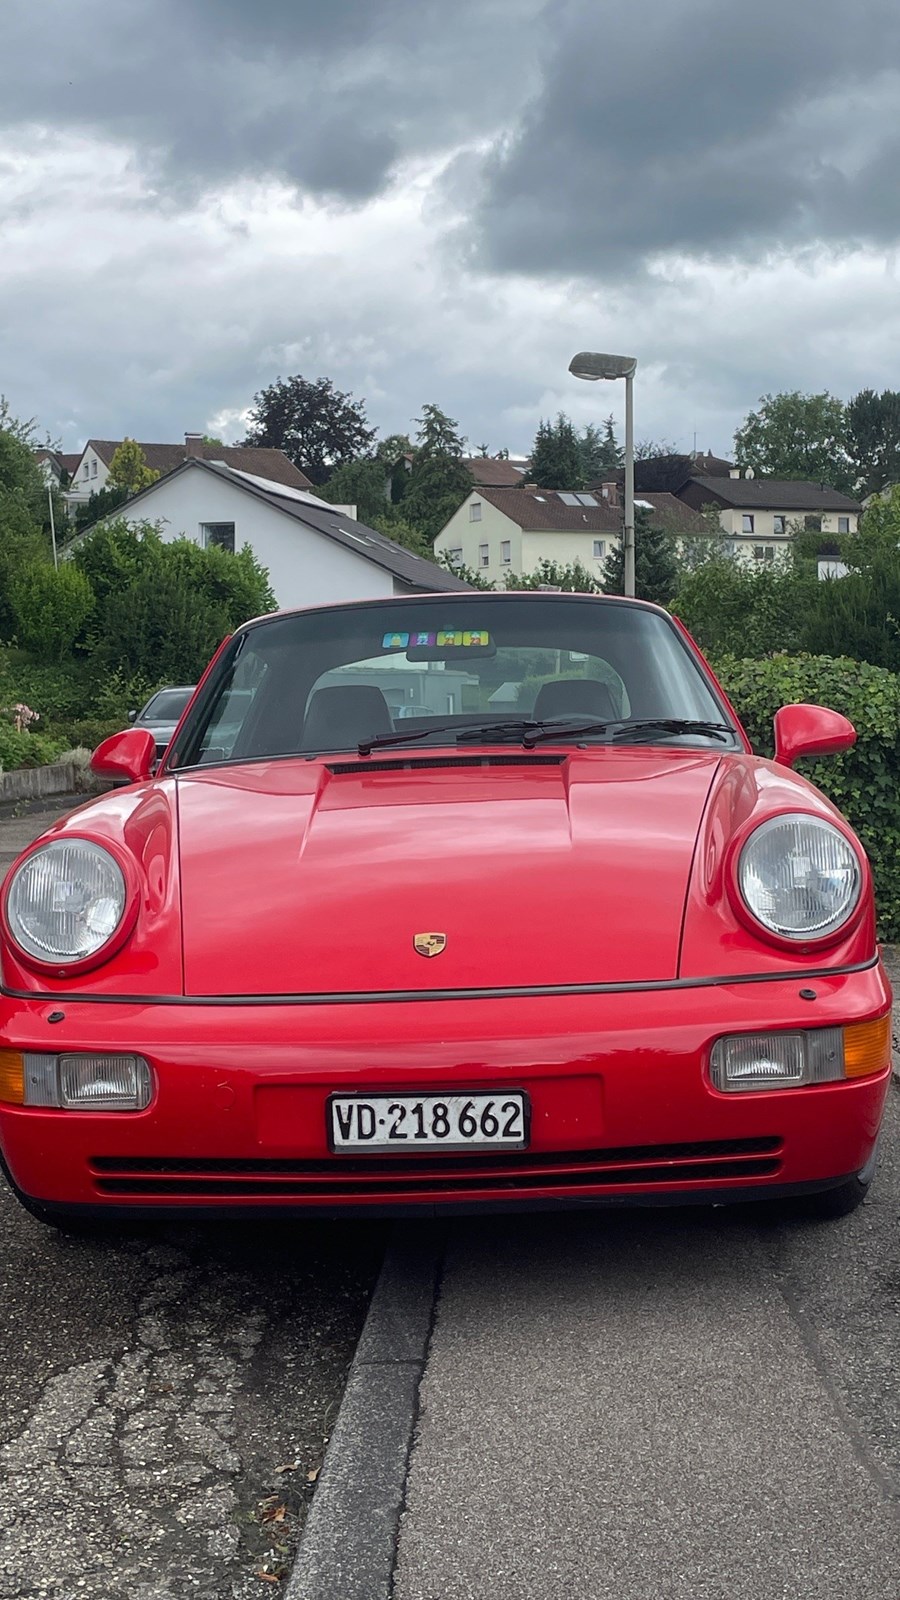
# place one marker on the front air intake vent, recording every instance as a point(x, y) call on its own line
point(420, 763)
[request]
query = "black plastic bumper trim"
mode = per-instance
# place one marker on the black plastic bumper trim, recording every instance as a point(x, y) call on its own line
point(382, 997)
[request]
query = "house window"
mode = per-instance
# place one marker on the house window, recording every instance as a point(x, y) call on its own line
point(475, 511)
point(455, 557)
point(764, 552)
point(812, 523)
point(747, 523)
point(484, 555)
point(599, 549)
point(779, 524)
point(218, 533)
point(505, 557)
point(94, 468)
point(87, 469)
point(843, 524)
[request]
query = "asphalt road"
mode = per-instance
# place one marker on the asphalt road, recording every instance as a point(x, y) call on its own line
point(692, 1405)
point(153, 1386)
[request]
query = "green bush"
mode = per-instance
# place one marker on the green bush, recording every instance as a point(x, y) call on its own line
point(58, 693)
point(87, 733)
point(26, 749)
point(161, 610)
point(865, 781)
point(733, 609)
point(50, 607)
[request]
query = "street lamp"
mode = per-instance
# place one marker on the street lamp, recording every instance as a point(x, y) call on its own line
point(590, 365)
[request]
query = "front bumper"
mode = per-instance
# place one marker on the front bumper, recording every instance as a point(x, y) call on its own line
point(622, 1107)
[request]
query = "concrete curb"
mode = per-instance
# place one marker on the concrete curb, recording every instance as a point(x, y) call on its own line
point(31, 783)
point(348, 1546)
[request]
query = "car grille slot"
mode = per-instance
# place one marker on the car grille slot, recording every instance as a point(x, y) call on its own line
point(427, 1175)
point(421, 763)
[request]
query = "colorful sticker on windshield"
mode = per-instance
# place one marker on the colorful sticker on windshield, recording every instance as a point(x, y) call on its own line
point(447, 638)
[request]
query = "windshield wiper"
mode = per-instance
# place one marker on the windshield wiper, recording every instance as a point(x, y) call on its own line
point(530, 732)
point(651, 725)
point(517, 725)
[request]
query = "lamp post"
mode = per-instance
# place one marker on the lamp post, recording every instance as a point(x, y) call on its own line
point(592, 366)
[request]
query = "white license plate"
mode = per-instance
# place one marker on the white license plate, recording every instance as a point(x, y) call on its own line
point(420, 1121)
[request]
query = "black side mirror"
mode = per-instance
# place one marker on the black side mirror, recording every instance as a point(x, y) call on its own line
point(132, 716)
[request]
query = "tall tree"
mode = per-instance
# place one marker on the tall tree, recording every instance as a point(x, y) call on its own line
point(556, 456)
point(873, 439)
point(439, 481)
point(128, 469)
point(795, 435)
point(23, 509)
point(601, 453)
point(317, 426)
point(375, 484)
point(655, 563)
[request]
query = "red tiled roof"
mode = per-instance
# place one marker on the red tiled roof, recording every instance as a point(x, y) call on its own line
point(161, 458)
point(671, 514)
point(543, 511)
point(494, 474)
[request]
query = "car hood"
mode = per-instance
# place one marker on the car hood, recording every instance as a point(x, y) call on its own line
point(313, 878)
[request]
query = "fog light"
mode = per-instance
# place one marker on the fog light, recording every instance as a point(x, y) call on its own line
point(75, 1082)
point(791, 1060)
point(104, 1083)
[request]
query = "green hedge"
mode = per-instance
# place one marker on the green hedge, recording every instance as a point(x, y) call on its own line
point(864, 782)
point(27, 749)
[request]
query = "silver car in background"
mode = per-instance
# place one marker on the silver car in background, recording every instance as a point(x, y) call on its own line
point(161, 715)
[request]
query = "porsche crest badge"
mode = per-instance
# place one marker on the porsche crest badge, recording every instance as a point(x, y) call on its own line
point(430, 944)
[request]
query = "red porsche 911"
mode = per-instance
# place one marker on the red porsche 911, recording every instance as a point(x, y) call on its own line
point(553, 936)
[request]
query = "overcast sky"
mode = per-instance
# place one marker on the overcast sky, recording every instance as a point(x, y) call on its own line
point(435, 201)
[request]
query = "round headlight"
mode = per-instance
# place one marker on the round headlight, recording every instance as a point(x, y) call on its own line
point(800, 877)
point(66, 901)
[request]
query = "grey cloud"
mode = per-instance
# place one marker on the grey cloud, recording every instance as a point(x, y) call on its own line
point(327, 94)
point(704, 126)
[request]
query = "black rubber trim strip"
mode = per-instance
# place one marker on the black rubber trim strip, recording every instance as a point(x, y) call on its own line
point(381, 997)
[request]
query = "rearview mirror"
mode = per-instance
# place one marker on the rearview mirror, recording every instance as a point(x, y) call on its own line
point(810, 731)
point(129, 755)
point(132, 716)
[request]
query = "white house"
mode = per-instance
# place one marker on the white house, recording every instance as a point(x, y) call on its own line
point(759, 515)
point(313, 552)
point(500, 531)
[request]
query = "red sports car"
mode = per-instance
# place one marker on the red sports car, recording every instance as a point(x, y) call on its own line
point(555, 939)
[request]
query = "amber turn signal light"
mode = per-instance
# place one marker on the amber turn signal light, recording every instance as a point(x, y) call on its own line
point(12, 1077)
point(867, 1047)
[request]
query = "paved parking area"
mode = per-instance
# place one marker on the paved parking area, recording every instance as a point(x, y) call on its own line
point(165, 1396)
point(692, 1405)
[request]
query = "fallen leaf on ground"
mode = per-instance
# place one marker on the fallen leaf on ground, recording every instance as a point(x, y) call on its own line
point(312, 1476)
point(270, 1577)
point(273, 1514)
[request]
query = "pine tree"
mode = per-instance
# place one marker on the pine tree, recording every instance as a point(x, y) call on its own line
point(601, 453)
point(439, 481)
point(556, 457)
point(655, 564)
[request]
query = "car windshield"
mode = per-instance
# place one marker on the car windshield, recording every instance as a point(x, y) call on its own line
point(166, 706)
point(453, 669)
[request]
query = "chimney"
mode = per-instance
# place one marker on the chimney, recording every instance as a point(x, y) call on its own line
point(193, 444)
point(610, 493)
